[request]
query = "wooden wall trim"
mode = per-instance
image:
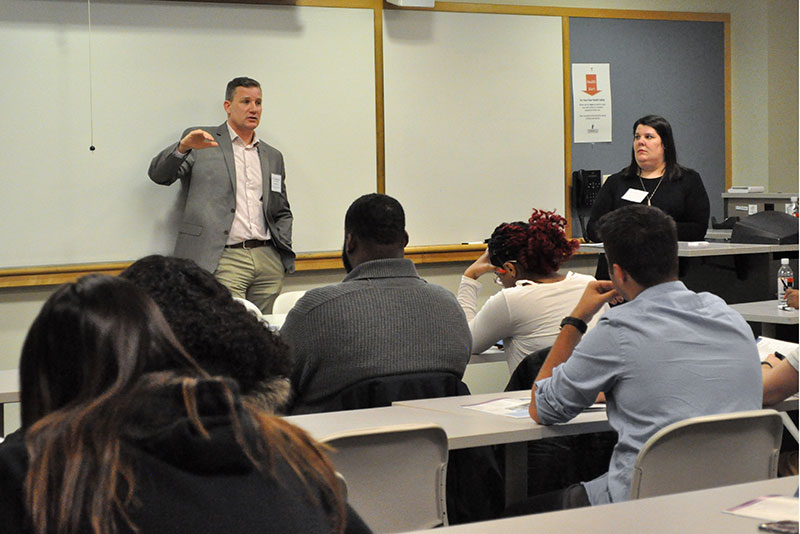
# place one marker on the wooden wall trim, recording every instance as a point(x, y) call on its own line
point(380, 124)
point(354, 4)
point(728, 114)
point(50, 275)
point(565, 52)
point(516, 9)
point(315, 261)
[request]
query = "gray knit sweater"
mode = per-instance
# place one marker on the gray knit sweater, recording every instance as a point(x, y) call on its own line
point(382, 319)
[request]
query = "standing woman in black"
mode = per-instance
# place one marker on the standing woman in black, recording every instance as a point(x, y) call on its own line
point(655, 178)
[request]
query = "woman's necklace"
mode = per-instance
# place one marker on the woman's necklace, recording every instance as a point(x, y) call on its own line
point(650, 195)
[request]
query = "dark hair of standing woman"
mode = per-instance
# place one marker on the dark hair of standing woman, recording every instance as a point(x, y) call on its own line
point(96, 349)
point(672, 170)
point(540, 246)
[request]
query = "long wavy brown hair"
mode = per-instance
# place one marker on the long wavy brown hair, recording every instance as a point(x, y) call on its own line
point(95, 348)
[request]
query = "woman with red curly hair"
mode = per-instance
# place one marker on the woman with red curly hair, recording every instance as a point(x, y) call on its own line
point(526, 314)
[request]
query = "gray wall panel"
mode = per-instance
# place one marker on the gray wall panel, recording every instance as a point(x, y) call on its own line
point(671, 68)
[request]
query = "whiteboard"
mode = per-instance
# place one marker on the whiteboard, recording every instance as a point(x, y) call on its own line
point(474, 120)
point(158, 68)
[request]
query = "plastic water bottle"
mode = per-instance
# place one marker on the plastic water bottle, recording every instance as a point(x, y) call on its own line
point(785, 281)
point(791, 206)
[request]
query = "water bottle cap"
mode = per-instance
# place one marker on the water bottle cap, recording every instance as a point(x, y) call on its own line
point(784, 261)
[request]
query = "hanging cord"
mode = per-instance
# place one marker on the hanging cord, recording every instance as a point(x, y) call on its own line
point(91, 95)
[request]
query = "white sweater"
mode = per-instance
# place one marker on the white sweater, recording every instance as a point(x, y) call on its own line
point(526, 317)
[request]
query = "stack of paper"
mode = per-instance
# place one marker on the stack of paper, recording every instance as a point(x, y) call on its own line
point(769, 507)
point(746, 189)
point(768, 345)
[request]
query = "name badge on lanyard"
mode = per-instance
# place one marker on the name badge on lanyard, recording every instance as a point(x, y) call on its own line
point(634, 195)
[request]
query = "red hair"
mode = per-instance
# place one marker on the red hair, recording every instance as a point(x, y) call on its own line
point(540, 246)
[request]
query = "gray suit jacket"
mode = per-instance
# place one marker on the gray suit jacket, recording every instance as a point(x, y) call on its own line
point(210, 176)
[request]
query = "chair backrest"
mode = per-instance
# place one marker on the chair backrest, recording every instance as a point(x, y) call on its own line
point(285, 301)
point(395, 475)
point(526, 371)
point(384, 390)
point(709, 451)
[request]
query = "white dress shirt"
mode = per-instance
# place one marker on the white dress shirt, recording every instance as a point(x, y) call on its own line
point(248, 220)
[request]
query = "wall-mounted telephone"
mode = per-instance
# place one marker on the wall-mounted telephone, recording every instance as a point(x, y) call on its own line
point(585, 186)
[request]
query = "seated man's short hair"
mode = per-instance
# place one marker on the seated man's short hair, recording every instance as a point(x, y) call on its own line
point(377, 218)
point(643, 240)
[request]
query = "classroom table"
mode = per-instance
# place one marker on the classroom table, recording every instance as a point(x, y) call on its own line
point(736, 272)
point(492, 354)
point(694, 249)
point(767, 313)
point(465, 428)
point(695, 511)
point(515, 433)
point(511, 432)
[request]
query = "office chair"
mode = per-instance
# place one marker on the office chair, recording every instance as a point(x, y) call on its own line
point(285, 301)
point(395, 475)
point(709, 451)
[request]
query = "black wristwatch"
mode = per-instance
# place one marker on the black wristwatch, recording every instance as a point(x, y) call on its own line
point(574, 321)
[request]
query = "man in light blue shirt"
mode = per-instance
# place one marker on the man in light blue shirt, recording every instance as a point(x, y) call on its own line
point(666, 355)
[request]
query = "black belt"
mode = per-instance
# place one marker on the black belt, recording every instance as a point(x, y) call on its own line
point(250, 243)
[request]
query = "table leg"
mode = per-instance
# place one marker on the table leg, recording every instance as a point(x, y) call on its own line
point(789, 424)
point(516, 472)
point(768, 329)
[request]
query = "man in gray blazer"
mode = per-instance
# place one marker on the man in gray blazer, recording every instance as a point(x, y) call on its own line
point(236, 222)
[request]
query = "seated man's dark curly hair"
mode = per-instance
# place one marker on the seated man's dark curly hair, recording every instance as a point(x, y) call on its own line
point(221, 335)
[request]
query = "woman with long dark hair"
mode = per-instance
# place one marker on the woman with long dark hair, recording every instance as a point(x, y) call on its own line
point(655, 178)
point(123, 432)
point(526, 314)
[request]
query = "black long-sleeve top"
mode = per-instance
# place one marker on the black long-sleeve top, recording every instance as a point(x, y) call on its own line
point(684, 199)
point(187, 482)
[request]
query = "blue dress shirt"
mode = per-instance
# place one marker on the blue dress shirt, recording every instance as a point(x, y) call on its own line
point(667, 355)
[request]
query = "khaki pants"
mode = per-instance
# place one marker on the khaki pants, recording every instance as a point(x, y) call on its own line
point(255, 274)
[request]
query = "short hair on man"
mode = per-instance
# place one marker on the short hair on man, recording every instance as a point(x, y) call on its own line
point(643, 240)
point(378, 218)
point(241, 81)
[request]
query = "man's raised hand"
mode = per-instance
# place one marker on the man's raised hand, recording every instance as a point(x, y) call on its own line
point(196, 140)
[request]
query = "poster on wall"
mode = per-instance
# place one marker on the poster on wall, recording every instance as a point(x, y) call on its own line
point(591, 102)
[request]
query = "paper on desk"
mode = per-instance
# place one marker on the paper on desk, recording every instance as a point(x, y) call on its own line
point(768, 507)
point(767, 345)
point(516, 408)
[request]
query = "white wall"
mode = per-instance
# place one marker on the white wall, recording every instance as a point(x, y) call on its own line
point(783, 96)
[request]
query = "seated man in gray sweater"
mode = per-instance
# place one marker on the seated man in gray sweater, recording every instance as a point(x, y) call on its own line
point(381, 320)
